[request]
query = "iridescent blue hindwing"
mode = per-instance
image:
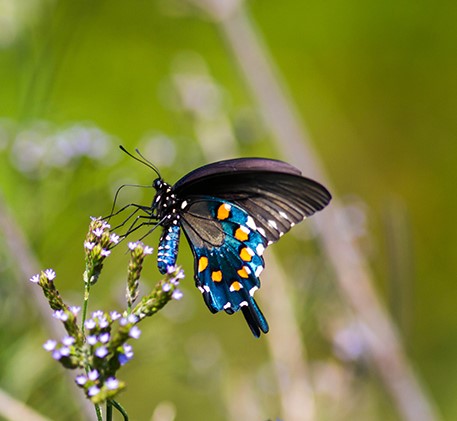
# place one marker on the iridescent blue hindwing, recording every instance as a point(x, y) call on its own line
point(227, 263)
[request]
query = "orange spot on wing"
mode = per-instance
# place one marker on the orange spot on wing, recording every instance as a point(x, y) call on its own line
point(202, 263)
point(216, 276)
point(243, 273)
point(242, 234)
point(246, 254)
point(223, 212)
point(236, 286)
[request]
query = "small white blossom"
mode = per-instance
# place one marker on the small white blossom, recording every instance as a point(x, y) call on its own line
point(88, 245)
point(98, 231)
point(60, 315)
point(50, 274)
point(148, 250)
point(56, 354)
point(64, 351)
point(114, 238)
point(131, 318)
point(177, 294)
point(81, 379)
point(166, 287)
point(50, 345)
point(93, 375)
point(115, 315)
point(105, 253)
point(101, 352)
point(135, 332)
point(104, 337)
point(93, 390)
point(92, 340)
point(97, 314)
point(112, 383)
point(171, 269)
point(68, 340)
point(90, 324)
point(35, 278)
point(75, 309)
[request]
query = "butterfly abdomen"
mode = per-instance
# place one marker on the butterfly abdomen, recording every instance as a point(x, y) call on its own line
point(168, 248)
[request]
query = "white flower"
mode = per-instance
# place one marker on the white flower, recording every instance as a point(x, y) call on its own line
point(135, 332)
point(111, 383)
point(50, 274)
point(60, 315)
point(114, 238)
point(148, 250)
point(50, 345)
point(98, 231)
point(93, 375)
point(133, 245)
point(177, 294)
point(88, 245)
point(105, 253)
point(35, 278)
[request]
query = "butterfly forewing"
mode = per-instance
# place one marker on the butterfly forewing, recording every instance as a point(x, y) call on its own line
point(272, 192)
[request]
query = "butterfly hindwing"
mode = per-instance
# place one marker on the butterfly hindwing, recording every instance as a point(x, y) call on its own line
point(228, 252)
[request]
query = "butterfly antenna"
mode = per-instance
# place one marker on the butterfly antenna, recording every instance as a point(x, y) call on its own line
point(143, 160)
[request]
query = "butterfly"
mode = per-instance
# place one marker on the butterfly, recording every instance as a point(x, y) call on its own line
point(230, 212)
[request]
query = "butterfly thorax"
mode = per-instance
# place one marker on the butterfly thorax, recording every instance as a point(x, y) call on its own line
point(165, 205)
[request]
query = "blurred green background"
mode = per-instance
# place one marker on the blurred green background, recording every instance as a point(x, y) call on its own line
point(375, 83)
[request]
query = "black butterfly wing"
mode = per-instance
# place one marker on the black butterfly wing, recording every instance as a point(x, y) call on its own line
point(228, 259)
point(273, 192)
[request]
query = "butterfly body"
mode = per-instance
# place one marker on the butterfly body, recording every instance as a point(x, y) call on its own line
point(230, 211)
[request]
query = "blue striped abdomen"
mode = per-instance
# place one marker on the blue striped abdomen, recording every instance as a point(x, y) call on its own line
point(168, 248)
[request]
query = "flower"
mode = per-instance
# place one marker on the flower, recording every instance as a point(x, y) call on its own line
point(101, 352)
point(112, 383)
point(114, 238)
point(74, 309)
point(35, 278)
point(81, 379)
point(60, 315)
point(133, 245)
point(115, 315)
point(50, 274)
point(93, 375)
point(92, 340)
point(104, 337)
point(105, 253)
point(135, 332)
point(166, 287)
point(50, 345)
point(98, 231)
point(177, 294)
point(90, 324)
point(68, 340)
point(93, 390)
point(148, 250)
point(126, 355)
point(89, 245)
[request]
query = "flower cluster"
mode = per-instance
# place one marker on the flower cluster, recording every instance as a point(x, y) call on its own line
point(99, 346)
point(97, 247)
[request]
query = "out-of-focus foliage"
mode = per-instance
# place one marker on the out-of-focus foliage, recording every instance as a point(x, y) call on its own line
point(374, 81)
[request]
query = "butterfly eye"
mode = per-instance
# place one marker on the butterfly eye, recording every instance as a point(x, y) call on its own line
point(157, 184)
